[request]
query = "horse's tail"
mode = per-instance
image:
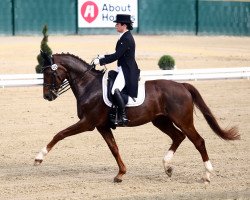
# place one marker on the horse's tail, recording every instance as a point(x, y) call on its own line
point(230, 134)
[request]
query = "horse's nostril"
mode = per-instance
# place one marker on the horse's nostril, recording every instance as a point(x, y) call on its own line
point(46, 96)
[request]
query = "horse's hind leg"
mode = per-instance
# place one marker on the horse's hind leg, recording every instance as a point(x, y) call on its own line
point(199, 144)
point(110, 140)
point(166, 126)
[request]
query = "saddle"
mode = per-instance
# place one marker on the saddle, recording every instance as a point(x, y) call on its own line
point(108, 82)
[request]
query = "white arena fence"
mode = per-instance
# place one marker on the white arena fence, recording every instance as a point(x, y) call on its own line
point(24, 80)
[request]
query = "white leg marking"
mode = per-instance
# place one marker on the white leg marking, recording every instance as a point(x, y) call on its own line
point(209, 169)
point(42, 153)
point(169, 155)
point(208, 166)
point(166, 160)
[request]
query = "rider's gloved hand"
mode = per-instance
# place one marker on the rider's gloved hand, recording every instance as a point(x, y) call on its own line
point(100, 56)
point(96, 61)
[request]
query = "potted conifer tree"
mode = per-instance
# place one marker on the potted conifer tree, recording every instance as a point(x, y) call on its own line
point(45, 48)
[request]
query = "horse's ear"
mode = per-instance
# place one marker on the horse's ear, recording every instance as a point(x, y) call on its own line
point(47, 59)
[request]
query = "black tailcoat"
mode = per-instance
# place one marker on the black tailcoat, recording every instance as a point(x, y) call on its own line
point(125, 56)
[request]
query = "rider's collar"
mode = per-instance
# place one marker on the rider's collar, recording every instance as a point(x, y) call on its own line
point(121, 34)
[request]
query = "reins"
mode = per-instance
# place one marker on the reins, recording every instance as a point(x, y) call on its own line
point(64, 87)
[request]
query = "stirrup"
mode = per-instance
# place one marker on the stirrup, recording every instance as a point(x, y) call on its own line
point(123, 121)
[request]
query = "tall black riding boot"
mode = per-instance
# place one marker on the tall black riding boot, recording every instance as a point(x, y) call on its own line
point(121, 108)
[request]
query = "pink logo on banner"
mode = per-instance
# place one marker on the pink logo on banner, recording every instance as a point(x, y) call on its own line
point(89, 11)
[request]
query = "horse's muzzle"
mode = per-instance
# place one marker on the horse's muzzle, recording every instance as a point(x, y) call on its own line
point(49, 96)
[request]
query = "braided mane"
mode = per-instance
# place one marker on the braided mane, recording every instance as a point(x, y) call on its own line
point(74, 56)
point(79, 60)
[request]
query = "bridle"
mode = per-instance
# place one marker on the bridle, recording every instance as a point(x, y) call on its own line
point(56, 89)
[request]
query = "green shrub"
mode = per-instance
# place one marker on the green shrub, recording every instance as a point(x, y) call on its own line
point(45, 48)
point(166, 62)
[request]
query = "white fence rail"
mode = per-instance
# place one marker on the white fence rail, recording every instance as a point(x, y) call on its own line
point(20, 80)
point(199, 74)
point(23, 80)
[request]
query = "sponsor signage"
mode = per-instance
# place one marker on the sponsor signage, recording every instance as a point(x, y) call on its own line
point(102, 13)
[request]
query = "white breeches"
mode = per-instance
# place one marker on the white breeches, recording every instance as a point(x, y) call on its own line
point(119, 81)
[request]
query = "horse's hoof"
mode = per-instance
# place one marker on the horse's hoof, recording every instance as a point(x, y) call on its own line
point(117, 180)
point(169, 171)
point(205, 180)
point(37, 162)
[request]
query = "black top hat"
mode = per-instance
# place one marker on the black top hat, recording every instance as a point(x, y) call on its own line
point(122, 18)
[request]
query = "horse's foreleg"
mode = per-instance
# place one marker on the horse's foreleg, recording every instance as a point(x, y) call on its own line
point(166, 126)
point(110, 140)
point(79, 127)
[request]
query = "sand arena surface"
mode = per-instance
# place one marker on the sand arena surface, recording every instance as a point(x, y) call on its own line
point(82, 167)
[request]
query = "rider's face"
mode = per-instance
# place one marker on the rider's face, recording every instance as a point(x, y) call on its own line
point(120, 28)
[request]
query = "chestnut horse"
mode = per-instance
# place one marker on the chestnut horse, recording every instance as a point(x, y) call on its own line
point(168, 105)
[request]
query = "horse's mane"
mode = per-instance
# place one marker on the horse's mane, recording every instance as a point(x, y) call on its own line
point(78, 59)
point(74, 56)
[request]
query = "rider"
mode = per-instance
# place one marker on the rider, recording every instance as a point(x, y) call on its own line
point(128, 71)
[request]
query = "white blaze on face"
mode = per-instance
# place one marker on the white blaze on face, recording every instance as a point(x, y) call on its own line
point(41, 154)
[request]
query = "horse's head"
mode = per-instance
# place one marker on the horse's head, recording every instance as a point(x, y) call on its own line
point(54, 76)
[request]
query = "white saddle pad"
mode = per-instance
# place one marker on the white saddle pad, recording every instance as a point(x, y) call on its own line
point(138, 101)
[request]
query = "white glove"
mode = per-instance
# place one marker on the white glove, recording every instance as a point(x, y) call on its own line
point(101, 56)
point(96, 61)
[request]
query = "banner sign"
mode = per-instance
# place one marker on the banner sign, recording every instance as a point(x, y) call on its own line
point(102, 13)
